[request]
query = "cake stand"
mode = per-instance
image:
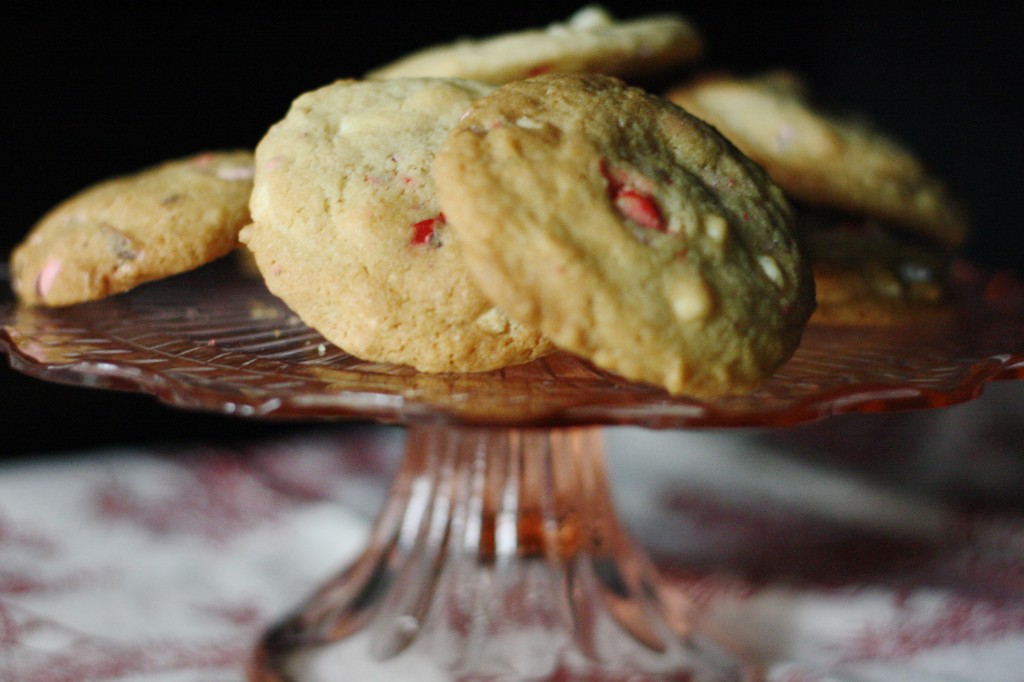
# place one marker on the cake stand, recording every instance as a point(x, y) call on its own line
point(498, 554)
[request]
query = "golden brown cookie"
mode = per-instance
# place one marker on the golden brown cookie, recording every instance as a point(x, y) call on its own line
point(348, 232)
point(867, 273)
point(825, 160)
point(590, 41)
point(128, 230)
point(628, 231)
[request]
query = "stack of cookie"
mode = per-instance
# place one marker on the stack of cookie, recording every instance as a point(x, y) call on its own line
point(479, 214)
point(480, 204)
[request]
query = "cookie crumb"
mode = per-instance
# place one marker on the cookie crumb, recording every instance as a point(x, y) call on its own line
point(493, 321)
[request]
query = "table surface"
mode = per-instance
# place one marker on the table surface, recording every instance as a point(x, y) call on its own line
point(867, 547)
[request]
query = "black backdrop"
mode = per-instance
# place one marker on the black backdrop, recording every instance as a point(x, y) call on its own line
point(96, 89)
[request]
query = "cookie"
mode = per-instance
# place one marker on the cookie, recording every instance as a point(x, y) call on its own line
point(136, 228)
point(347, 229)
point(867, 273)
point(589, 41)
point(628, 231)
point(823, 159)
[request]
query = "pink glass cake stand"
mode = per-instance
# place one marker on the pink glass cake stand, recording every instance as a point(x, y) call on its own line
point(498, 554)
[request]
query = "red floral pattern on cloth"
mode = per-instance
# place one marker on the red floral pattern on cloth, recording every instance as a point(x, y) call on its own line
point(874, 547)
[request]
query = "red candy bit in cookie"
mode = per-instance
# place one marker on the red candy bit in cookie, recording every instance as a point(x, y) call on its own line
point(640, 208)
point(423, 231)
point(633, 204)
point(615, 178)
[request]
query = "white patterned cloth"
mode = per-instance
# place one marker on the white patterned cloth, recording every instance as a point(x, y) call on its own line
point(869, 547)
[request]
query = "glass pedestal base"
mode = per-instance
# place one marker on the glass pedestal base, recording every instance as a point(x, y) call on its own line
point(498, 556)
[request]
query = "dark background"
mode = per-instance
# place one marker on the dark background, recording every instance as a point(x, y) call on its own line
point(92, 90)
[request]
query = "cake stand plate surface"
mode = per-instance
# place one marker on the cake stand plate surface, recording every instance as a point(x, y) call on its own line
point(215, 340)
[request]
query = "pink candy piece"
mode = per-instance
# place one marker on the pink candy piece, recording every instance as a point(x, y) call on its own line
point(48, 275)
point(274, 161)
point(785, 135)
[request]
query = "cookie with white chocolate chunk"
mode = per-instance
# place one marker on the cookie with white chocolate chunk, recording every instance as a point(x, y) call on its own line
point(627, 231)
point(590, 41)
point(140, 227)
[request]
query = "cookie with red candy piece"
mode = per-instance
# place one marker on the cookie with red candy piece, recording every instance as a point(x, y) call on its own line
point(590, 41)
point(628, 231)
point(136, 228)
point(347, 229)
point(823, 159)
